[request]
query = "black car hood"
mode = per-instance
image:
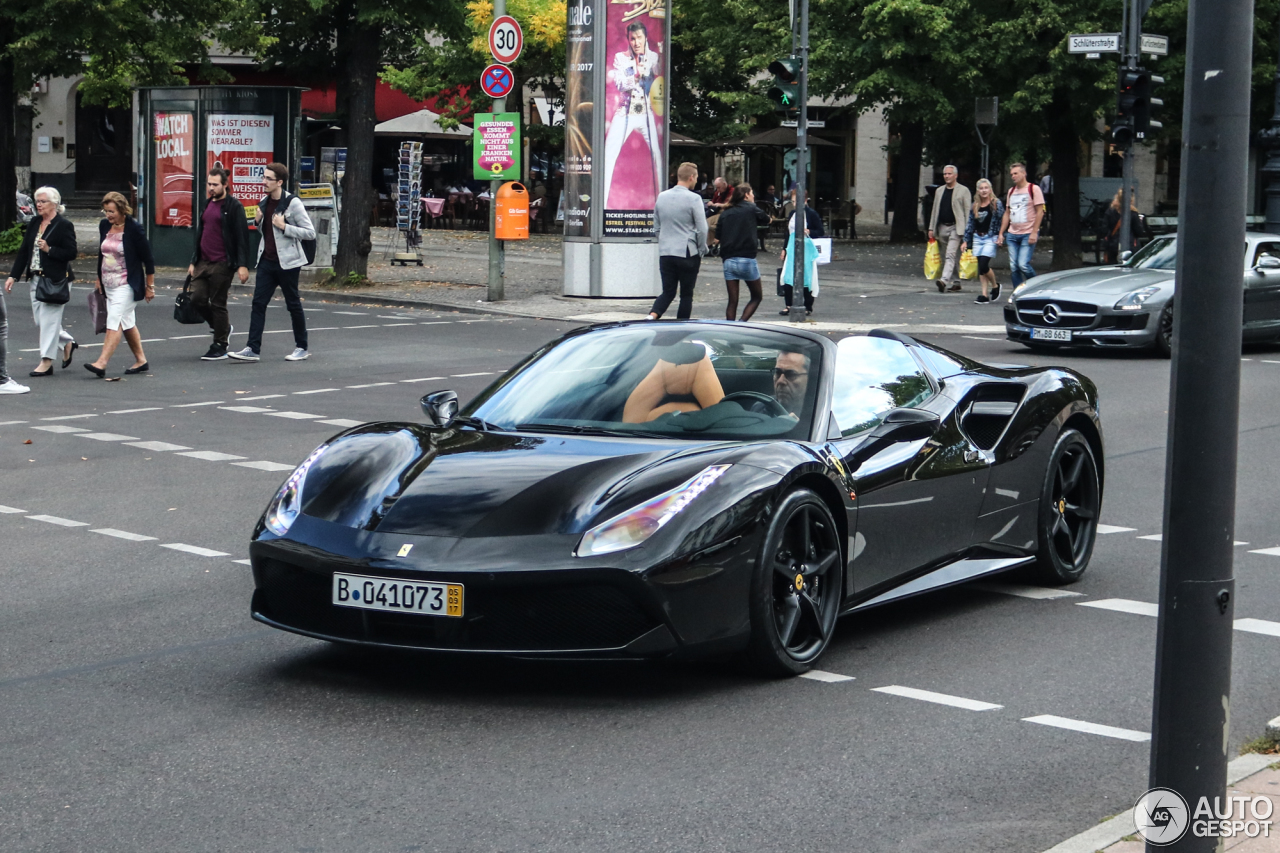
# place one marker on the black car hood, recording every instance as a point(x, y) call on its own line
point(466, 483)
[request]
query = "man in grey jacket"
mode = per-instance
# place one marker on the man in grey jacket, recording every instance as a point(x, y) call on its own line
point(284, 223)
point(951, 203)
point(682, 241)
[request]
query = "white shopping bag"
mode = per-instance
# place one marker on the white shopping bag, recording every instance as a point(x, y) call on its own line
point(824, 249)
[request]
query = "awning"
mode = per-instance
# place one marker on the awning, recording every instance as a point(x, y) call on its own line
point(686, 141)
point(423, 124)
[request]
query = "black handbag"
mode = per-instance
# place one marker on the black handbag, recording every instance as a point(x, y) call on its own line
point(184, 307)
point(53, 292)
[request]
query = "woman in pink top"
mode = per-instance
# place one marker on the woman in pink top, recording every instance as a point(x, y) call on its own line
point(126, 276)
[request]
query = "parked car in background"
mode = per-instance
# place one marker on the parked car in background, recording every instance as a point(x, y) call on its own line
point(1130, 305)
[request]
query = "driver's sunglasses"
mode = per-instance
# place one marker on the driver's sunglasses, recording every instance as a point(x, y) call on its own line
point(792, 375)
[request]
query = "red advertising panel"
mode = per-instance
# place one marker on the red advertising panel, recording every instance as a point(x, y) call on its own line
point(243, 145)
point(174, 143)
point(635, 120)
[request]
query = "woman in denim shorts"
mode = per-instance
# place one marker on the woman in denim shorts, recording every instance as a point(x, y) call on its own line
point(737, 230)
point(980, 235)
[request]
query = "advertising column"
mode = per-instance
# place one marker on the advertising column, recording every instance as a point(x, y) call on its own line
point(615, 157)
point(174, 147)
point(243, 145)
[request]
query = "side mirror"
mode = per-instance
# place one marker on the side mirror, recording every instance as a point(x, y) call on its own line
point(1124, 256)
point(440, 407)
point(898, 426)
point(1267, 261)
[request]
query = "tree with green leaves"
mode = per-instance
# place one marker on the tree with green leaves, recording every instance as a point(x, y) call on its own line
point(117, 45)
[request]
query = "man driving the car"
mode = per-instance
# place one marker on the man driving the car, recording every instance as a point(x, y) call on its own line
point(791, 380)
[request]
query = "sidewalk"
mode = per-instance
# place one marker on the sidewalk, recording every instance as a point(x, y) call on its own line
point(870, 283)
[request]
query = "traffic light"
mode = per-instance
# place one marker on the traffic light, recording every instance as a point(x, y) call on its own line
point(1132, 83)
point(1147, 106)
point(785, 92)
point(1122, 134)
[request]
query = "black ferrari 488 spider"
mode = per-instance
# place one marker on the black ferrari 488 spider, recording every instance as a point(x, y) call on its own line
point(684, 488)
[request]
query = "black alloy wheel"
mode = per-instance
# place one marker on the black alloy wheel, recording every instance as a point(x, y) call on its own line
point(1069, 506)
point(1164, 332)
point(799, 579)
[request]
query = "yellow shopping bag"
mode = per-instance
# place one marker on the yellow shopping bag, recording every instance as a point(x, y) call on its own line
point(968, 265)
point(932, 261)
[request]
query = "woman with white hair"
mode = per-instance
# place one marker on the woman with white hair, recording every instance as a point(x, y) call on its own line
point(47, 251)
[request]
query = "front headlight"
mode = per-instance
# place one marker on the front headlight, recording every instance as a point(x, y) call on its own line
point(284, 507)
point(639, 523)
point(1134, 301)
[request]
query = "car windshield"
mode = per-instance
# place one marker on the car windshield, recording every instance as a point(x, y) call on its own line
point(679, 381)
point(1160, 254)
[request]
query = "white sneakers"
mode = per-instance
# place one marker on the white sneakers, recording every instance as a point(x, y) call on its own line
point(12, 387)
point(298, 354)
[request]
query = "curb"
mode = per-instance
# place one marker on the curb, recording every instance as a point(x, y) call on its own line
point(1112, 830)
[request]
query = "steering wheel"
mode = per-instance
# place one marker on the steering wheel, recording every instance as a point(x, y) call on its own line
point(772, 407)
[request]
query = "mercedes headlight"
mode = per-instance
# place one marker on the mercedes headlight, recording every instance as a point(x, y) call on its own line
point(640, 522)
point(285, 506)
point(1134, 301)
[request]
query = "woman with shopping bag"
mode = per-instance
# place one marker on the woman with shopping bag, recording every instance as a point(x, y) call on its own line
point(980, 234)
point(810, 273)
point(126, 276)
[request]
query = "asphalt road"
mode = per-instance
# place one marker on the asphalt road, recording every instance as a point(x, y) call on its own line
point(144, 711)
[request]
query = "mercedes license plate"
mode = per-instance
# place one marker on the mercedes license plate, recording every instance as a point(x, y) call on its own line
point(1051, 334)
point(397, 596)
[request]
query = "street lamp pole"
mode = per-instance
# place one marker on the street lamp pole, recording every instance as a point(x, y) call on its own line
point(1269, 138)
point(1133, 29)
point(497, 248)
point(798, 312)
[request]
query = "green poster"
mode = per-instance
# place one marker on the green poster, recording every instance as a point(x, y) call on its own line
point(496, 147)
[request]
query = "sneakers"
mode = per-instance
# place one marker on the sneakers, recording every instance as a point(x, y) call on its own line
point(981, 300)
point(12, 387)
point(995, 292)
point(245, 354)
point(298, 354)
point(215, 353)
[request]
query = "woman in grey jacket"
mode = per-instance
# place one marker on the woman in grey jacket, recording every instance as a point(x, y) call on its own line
point(284, 224)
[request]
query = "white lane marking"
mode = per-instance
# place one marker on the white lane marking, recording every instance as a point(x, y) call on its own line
point(265, 466)
point(1258, 626)
point(53, 519)
point(321, 310)
point(463, 375)
point(251, 410)
point(187, 337)
point(395, 317)
point(937, 698)
point(211, 455)
point(1153, 537)
point(131, 411)
point(428, 323)
point(392, 325)
point(317, 391)
point(351, 313)
point(1040, 593)
point(1111, 528)
point(159, 446)
point(423, 379)
point(1123, 605)
point(322, 328)
point(341, 422)
point(9, 510)
point(60, 428)
point(1269, 361)
point(153, 340)
point(11, 423)
point(296, 416)
point(827, 677)
point(370, 326)
point(371, 385)
point(248, 562)
point(195, 549)
point(1088, 728)
point(123, 534)
point(276, 331)
point(263, 397)
point(68, 417)
point(107, 436)
point(1270, 552)
point(970, 337)
point(193, 405)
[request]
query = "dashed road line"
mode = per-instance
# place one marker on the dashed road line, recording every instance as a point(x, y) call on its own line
point(60, 428)
point(195, 549)
point(261, 397)
point(1270, 552)
point(423, 379)
point(68, 417)
point(370, 326)
point(464, 375)
point(827, 677)
point(371, 385)
point(1153, 537)
point(265, 466)
point(1123, 605)
point(211, 455)
point(1088, 728)
point(1104, 529)
point(341, 422)
point(123, 534)
point(158, 446)
point(317, 391)
point(1258, 626)
point(937, 698)
point(1039, 593)
point(296, 416)
point(11, 423)
point(9, 510)
point(351, 313)
point(61, 522)
point(132, 411)
point(243, 562)
point(106, 436)
point(250, 410)
point(195, 405)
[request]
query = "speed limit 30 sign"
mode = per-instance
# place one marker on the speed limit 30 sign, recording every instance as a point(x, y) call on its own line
point(506, 39)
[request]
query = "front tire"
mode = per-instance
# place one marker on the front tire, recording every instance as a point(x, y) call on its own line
point(798, 584)
point(1069, 504)
point(1164, 332)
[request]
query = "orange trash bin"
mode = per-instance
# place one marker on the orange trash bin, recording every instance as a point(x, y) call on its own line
point(511, 212)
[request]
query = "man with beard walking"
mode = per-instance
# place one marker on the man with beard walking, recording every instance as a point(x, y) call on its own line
point(222, 245)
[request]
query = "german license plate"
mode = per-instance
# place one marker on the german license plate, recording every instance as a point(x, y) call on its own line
point(397, 596)
point(1051, 334)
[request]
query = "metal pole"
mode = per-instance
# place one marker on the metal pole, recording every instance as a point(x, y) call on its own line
point(1269, 138)
point(1191, 714)
point(1133, 29)
point(802, 172)
point(497, 248)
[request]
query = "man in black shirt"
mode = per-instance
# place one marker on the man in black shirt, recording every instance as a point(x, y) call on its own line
point(951, 203)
